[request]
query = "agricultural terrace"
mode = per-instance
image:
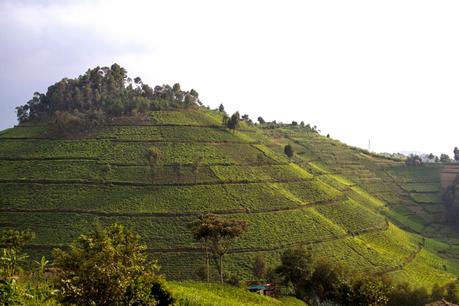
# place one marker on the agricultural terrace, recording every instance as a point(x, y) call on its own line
point(158, 174)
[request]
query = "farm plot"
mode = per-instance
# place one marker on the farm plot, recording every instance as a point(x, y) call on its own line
point(269, 153)
point(268, 230)
point(188, 133)
point(51, 170)
point(426, 198)
point(24, 132)
point(311, 191)
point(131, 199)
point(425, 270)
point(52, 148)
point(422, 187)
point(147, 133)
point(352, 216)
point(185, 118)
point(253, 173)
point(415, 174)
point(352, 252)
point(394, 245)
point(171, 174)
point(59, 229)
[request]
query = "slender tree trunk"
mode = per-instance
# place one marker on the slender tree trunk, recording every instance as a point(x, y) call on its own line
point(221, 269)
point(207, 265)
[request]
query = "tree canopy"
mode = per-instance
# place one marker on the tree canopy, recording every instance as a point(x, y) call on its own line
point(106, 267)
point(102, 92)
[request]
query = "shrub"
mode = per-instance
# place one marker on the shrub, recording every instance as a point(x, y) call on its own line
point(106, 267)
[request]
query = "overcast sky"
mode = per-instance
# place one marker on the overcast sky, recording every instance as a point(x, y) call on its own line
point(381, 70)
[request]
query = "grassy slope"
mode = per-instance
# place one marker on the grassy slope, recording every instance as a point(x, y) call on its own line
point(408, 196)
point(194, 293)
point(329, 196)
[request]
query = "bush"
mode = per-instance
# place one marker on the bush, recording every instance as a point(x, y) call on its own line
point(8, 292)
point(107, 267)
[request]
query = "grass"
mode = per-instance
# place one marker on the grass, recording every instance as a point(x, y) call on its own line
point(195, 293)
point(328, 196)
point(190, 117)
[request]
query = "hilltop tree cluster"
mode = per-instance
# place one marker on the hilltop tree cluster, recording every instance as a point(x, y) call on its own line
point(101, 93)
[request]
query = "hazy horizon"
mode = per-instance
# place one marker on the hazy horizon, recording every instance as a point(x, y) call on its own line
point(380, 71)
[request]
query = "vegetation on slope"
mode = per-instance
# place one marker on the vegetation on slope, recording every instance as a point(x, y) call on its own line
point(322, 193)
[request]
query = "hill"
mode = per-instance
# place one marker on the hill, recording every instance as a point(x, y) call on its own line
point(371, 213)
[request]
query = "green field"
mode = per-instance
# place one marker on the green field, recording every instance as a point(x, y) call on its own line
point(344, 203)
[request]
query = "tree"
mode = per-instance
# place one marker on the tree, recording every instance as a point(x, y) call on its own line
point(178, 170)
point(153, 156)
point(296, 269)
point(413, 160)
point(369, 291)
point(288, 150)
point(108, 266)
point(261, 120)
point(218, 235)
point(12, 242)
point(201, 228)
point(259, 268)
point(456, 154)
point(221, 108)
point(195, 167)
point(444, 158)
point(176, 88)
point(233, 121)
point(326, 279)
point(190, 99)
point(225, 120)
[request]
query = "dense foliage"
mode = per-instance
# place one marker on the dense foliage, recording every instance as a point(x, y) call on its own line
point(99, 94)
point(322, 280)
point(107, 267)
point(451, 202)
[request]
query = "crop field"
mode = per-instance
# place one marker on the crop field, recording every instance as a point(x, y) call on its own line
point(197, 294)
point(422, 187)
point(426, 269)
point(265, 229)
point(426, 198)
point(263, 172)
point(190, 117)
point(332, 198)
point(23, 132)
point(163, 199)
point(170, 133)
point(352, 216)
point(393, 244)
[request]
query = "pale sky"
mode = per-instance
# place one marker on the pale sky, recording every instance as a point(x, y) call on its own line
point(381, 70)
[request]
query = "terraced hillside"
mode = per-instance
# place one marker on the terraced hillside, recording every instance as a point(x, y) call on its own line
point(410, 197)
point(340, 202)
